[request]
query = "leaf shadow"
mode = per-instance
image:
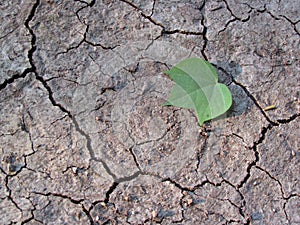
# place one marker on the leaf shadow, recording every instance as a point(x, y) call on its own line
point(228, 71)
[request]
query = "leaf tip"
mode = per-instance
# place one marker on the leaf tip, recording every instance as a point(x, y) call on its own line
point(166, 104)
point(167, 72)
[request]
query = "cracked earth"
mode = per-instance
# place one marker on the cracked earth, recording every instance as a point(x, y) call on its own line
point(85, 140)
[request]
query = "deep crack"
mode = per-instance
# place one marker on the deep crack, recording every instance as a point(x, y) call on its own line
point(288, 120)
point(50, 95)
point(110, 191)
point(30, 52)
point(205, 39)
point(87, 213)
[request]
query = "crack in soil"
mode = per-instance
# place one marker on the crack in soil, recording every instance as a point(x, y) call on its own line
point(284, 206)
point(247, 92)
point(61, 107)
point(91, 4)
point(30, 52)
point(204, 35)
point(84, 40)
point(90, 149)
point(74, 201)
point(280, 185)
point(256, 153)
point(288, 120)
point(287, 19)
point(9, 196)
point(153, 21)
point(32, 69)
point(235, 18)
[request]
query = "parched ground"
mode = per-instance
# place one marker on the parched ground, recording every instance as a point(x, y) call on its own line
point(84, 138)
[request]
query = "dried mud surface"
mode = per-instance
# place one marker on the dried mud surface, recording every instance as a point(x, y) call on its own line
point(85, 139)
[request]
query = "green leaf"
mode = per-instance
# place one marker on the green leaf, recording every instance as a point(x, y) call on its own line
point(196, 87)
